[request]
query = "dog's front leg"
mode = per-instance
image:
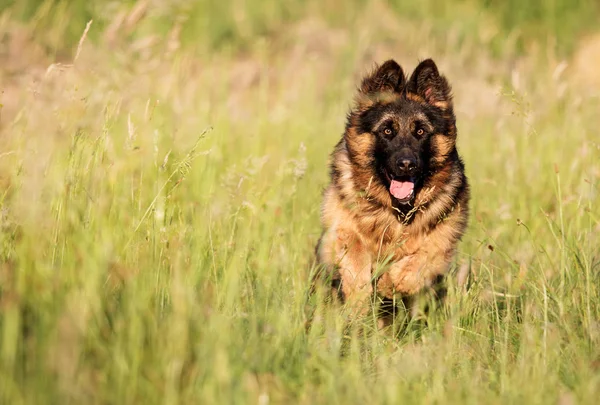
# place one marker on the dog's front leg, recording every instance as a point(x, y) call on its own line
point(415, 273)
point(343, 250)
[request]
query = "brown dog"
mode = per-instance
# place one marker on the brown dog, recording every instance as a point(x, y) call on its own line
point(397, 204)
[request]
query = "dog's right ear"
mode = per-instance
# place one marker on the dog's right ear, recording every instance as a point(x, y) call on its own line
point(388, 77)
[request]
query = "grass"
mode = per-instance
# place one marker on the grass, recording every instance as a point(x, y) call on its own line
point(159, 207)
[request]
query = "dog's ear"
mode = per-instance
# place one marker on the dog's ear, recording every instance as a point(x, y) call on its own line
point(427, 82)
point(387, 77)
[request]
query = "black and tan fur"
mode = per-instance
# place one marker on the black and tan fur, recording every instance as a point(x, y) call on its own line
point(364, 225)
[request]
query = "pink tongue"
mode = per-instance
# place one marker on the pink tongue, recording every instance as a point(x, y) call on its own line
point(401, 189)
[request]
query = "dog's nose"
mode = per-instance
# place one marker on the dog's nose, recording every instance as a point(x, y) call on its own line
point(407, 165)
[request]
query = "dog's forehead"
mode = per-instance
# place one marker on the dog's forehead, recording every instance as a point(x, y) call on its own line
point(405, 108)
point(401, 111)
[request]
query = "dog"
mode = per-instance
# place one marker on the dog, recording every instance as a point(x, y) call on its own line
point(397, 202)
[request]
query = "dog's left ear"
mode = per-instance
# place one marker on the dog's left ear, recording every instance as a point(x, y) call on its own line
point(427, 82)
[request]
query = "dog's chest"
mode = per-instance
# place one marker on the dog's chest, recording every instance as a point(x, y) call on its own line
point(386, 236)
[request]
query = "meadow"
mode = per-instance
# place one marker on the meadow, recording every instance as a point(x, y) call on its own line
point(161, 170)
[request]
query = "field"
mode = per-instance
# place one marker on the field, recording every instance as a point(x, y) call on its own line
point(161, 170)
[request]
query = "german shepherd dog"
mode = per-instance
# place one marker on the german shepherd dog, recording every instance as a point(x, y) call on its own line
point(397, 203)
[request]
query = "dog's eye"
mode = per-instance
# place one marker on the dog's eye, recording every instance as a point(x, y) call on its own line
point(387, 131)
point(420, 131)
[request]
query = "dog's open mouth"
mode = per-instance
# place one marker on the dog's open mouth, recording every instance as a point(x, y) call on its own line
point(403, 189)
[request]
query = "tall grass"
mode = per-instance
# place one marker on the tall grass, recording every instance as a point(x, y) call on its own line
point(159, 207)
point(236, 24)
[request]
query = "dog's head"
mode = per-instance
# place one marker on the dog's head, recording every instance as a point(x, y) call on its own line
point(400, 131)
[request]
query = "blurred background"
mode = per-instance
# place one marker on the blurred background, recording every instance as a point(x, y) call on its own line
point(236, 25)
